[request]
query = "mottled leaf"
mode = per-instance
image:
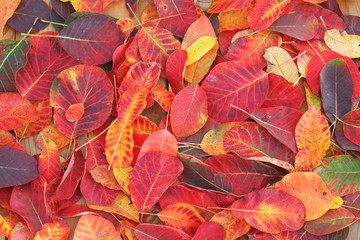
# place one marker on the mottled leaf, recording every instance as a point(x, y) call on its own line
point(92, 227)
point(49, 161)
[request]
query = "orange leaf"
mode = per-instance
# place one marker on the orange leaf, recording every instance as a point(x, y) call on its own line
point(310, 189)
point(143, 125)
point(122, 176)
point(233, 226)
point(270, 210)
point(164, 97)
point(119, 144)
point(54, 134)
point(225, 5)
point(7, 9)
point(74, 112)
point(234, 20)
point(182, 216)
point(57, 229)
point(5, 223)
point(87, 5)
point(126, 26)
point(91, 227)
point(132, 103)
point(49, 161)
point(265, 12)
point(103, 175)
point(150, 15)
point(15, 110)
point(312, 136)
point(121, 206)
point(6, 138)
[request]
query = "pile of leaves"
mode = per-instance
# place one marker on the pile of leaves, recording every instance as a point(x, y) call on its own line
point(260, 135)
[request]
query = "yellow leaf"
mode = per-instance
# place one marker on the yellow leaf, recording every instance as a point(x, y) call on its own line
point(346, 45)
point(279, 62)
point(338, 202)
point(199, 48)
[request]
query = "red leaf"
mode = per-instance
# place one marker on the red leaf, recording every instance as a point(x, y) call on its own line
point(91, 45)
point(16, 167)
point(72, 176)
point(234, 83)
point(176, 24)
point(175, 69)
point(188, 111)
point(351, 126)
point(209, 231)
point(225, 6)
point(49, 161)
point(164, 97)
point(152, 175)
point(28, 201)
point(81, 84)
point(159, 232)
point(57, 229)
point(74, 112)
point(270, 210)
point(15, 110)
point(95, 154)
point(46, 59)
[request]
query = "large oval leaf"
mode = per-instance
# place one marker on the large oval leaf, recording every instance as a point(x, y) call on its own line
point(310, 189)
point(188, 111)
point(16, 167)
point(341, 174)
point(153, 173)
point(251, 140)
point(238, 84)
point(15, 110)
point(81, 84)
point(91, 39)
point(270, 210)
point(46, 59)
point(92, 227)
point(336, 86)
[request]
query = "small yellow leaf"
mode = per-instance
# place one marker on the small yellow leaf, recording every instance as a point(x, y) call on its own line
point(199, 48)
point(346, 45)
point(338, 202)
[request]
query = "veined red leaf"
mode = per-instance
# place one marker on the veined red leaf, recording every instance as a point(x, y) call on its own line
point(81, 84)
point(176, 24)
point(161, 140)
point(182, 216)
point(46, 59)
point(175, 69)
point(95, 154)
point(28, 201)
point(49, 161)
point(153, 173)
point(202, 176)
point(302, 26)
point(6, 138)
point(234, 83)
point(164, 97)
point(336, 86)
point(312, 136)
point(126, 26)
point(282, 93)
point(119, 145)
point(15, 110)
point(251, 49)
point(280, 122)
point(105, 176)
point(144, 125)
point(233, 226)
point(251, 140)
point(351, 126)
point(143, 75)
point(224, 5)
point(310, 189)
point(270, 210)
point(45, 116)
point(210, 231)
point(240, 171)
point(91, 45)
point(340, 174)
point(343, 141)
point(156, 44)
point(149, 15)
point(121, 206)
point(16, 167)
point(265, 12)
point(92, 227)
point(159, 232)
point(56, 229)
point(332, 221)
point(72, 176)
point(188, 111)
point(96, 193)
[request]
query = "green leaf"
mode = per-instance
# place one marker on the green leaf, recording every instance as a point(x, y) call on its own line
point(341, 174)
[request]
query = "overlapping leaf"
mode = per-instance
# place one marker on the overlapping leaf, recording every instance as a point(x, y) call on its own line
point(95, 227)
